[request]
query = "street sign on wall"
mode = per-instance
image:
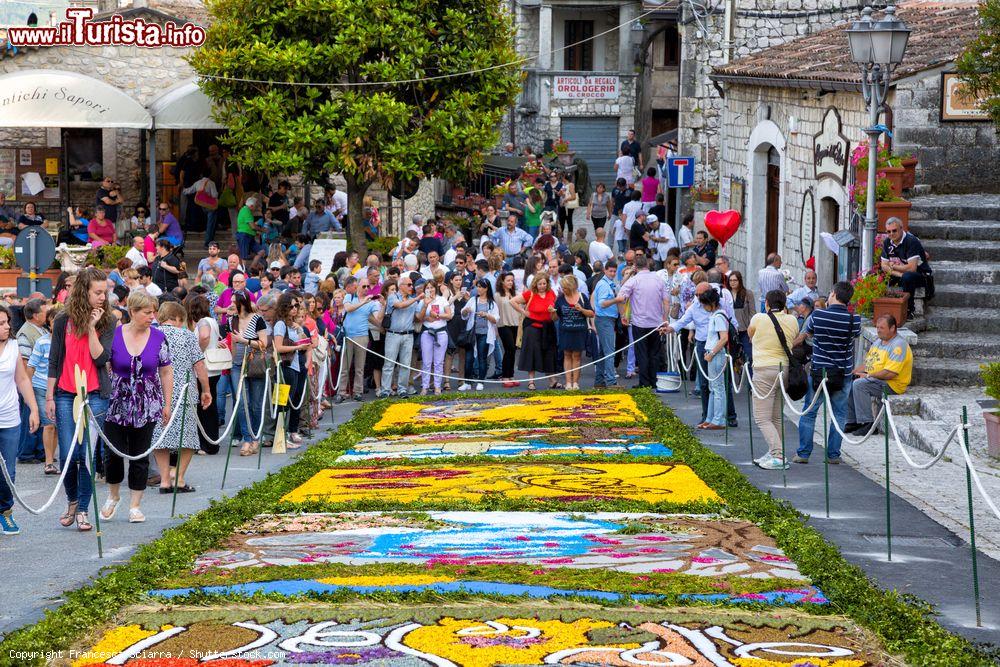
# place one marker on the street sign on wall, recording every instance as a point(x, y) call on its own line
point(680, 172)
point(586, 87)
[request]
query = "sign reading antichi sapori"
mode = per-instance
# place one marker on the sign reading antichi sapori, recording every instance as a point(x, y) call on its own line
point(586, 87)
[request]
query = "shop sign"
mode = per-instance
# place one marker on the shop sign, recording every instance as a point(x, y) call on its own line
point(831, 149)
point(586, 87)
point(956, 102)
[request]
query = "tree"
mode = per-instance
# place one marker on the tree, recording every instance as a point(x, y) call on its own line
point(979, 64)
point(368, 126)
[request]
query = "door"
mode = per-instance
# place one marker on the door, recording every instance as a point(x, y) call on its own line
point(827, 265)
point(773, 197)
point(596, 141)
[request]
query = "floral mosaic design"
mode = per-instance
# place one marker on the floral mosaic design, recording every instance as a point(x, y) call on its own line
point(550, 410)
point(505, 635)
point(699, 545)
point(560, 482)
point(561, 441)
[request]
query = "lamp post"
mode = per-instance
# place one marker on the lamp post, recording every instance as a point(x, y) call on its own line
point(877, 47)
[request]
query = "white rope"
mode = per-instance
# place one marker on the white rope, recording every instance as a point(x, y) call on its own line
point(737, 388)
point(816, 396)
point(902, 449)
point(846, 438)
point(254, 436)
point(302, 398)
point(62, 475)
point(155, 445)
point(975, 477)
point(225, 431)
point(537, 378)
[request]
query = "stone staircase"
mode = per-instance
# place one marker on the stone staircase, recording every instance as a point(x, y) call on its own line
point(961, 234)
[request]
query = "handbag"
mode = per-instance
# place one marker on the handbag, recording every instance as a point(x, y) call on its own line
point(321, 352)
point(256, 363)
point(218, 359)
point(205, 200)
point(798, 380)
point(573, 203)
point(227, 199)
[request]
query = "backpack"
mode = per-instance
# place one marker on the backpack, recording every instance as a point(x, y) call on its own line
point(734, 348)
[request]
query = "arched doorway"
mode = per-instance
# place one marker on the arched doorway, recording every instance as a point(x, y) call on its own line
point(765, 204)
point(827, 268)
point(773, 201)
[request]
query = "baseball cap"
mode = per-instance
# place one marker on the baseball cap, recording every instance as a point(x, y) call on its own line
point(275, 265)
point(652, 218)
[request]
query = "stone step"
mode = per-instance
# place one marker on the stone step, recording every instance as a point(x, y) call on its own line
point(957, 295)
point(956, 207)
point(966, 273)
point(957, 345)
point(966, 251)
point(965, 320)
point(935, 372)
point(959, 230)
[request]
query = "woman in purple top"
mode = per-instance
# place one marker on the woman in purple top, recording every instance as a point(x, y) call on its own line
point(141, 376)
point(650, 188)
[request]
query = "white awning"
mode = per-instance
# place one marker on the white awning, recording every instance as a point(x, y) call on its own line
point(183, 107)
point(53, 98)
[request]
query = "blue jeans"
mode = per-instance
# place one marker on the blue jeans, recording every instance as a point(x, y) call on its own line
point(533, 231)
point(223, 390)
point(253, 391)
point(29, 446)
point(9, 440)
point(807, 422)
point(210, 224)
point(77, 481)
point(247, 244)
point(604, 371)
point(477, 359)
point(717, 389)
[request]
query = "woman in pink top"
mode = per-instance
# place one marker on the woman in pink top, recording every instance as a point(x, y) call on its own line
point(650, 188)
point(100, 230)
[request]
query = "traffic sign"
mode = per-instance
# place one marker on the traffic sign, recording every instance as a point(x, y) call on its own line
point(680, 172)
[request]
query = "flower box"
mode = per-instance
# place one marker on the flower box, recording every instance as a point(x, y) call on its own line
point(910, 172)
point(893, 209)
point(8, 277)
point(890, 305)
point(895, 177)
point(992, 433)
point(566, 157)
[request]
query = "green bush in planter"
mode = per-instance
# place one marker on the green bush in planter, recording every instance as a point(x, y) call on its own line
point(990, 373)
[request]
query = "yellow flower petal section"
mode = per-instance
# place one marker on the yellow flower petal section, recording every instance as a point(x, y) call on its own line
point(543, 410)
point(653, 482)
point(386, 580)
point(114, 642)
point(514, 641)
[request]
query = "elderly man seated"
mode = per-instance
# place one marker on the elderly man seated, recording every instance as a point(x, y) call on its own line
point(904, 260)
point(807, 291)
point(888, 367)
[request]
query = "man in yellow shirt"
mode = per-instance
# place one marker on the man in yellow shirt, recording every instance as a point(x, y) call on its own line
point(888, 367)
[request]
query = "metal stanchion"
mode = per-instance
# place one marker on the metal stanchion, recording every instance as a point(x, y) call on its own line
point(180, 442)
point(236, 418)
point(749, 381)
point(972, 519)
point(92, 452)
point(781, 418)
point(888, 492)
point(826, 450)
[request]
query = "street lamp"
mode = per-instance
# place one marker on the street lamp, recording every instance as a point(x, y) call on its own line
point(877, 47)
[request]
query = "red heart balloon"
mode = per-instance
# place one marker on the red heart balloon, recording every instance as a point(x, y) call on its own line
point(722, 225)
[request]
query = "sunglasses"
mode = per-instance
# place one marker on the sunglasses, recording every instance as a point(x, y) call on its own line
point(164, 209)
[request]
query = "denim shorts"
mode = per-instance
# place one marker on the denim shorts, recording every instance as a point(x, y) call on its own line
point(40, 395)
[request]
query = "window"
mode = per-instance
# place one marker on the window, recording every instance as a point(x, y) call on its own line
point(579, 42)
point(671, 47)
point(84, 153)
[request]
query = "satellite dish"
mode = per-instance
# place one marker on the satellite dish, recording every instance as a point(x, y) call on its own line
point(405, 189)
point(34, 249)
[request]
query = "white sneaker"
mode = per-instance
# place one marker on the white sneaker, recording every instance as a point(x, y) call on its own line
point(465, 386)
point(479, 386)
point(771, 463)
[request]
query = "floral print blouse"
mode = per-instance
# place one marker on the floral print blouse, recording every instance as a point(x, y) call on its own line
point(136, 393)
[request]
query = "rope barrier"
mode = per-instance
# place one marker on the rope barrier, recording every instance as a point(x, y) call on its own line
point(62, 475)
point(255, 435)
point(902, 448)
point(155, 445)
point(232, 419)
point(975, 478)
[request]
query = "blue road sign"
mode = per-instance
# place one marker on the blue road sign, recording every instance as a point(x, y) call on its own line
point(680, 172)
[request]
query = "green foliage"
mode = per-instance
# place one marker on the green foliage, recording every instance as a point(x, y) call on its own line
point(979, 64)
point(867, 288)
point(7, 260)
point(108, 256)
point(883, 192)
point(438, 123)
point(383, 245)
point(990, 373)
point(905, 624)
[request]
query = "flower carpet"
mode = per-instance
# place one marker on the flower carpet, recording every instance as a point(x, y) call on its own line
point(561, 441)
point(546, 529)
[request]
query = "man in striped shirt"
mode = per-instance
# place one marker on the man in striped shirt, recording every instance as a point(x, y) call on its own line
point(771, 278)
point(833, 331)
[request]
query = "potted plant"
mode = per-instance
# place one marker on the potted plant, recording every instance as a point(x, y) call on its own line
point(867, 288)
point(705, 193)
point(887, 205)
point(893, 302)
point(909, 163)
point(561, 148)
point(889, 166)
point(991, 381)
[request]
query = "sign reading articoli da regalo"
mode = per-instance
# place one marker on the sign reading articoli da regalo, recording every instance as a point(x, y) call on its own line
point(78, 29)
point(585, 87)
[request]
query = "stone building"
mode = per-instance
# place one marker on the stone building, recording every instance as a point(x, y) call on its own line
point(792, 113)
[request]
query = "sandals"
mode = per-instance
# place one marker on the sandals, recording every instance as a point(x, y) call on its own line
point(185, 488)
point(556, 385)
point(531, 385)
point(249, 448)
point(110, 507)
point(82, 522)
point(135, 515)
point(51, 469)
point(66, 520)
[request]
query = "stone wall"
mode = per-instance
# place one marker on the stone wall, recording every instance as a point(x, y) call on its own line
point(954, 157)
point(757, 25)
point(756, 117)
